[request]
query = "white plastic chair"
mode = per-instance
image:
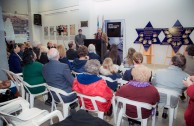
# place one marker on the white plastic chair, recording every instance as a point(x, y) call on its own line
point(32, 96)
point(108, 78)
point(26, 117)
point(121, 82)
point(17, 80)
point(122, 102)
point(58, 93)
point(172, 111)
point(93, 100)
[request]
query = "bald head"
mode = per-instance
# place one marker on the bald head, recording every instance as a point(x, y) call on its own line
point(53, 54)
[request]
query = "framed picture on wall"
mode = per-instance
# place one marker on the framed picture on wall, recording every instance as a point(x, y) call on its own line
point(84, 23)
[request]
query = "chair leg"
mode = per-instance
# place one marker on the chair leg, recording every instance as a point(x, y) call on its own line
point(27, 97)
point(144, 122)
point(31, 101)
point(154, 118)
point(23, 93)
point(65, 110)
point(101, 115)
point(171, 116)
point(175, 112)
point(119, 119)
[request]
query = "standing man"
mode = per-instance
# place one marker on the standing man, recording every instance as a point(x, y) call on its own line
point(79, 39)
point(104, 41)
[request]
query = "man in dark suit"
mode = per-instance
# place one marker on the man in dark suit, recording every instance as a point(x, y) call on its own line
point(79, 39)
point(58, 75)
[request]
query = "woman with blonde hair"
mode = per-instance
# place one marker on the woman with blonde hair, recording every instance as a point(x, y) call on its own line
point(128, 61)
point(110, 70)
point(137, 61)
point(62, 54)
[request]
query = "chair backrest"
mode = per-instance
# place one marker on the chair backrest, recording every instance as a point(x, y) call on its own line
point(93, 100)
point(58, 92)
point(121, 82)
point(169, 93)
point(108, 78)
point(138, 105)
point(14, 77)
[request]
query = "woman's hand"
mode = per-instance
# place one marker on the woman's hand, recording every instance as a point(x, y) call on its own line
point(189, 81)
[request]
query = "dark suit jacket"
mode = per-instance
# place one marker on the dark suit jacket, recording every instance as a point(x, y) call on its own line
point(15, 63)
point(58, 75)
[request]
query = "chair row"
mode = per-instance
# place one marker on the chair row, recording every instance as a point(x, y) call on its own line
point(118, 111)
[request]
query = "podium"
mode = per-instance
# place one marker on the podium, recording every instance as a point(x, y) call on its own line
point(99, 44)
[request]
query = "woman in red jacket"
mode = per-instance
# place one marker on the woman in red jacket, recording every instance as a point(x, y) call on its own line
point(91, 84)
point(189, 113)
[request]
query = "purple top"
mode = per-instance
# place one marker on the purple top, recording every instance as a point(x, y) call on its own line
point(139, 84)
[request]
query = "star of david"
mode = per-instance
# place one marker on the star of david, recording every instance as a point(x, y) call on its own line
point(177, 36)
point(148, 36)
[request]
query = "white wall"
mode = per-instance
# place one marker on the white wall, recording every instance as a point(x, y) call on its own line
point(137, 13)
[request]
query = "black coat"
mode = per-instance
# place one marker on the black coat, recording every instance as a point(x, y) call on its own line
point(82, 118)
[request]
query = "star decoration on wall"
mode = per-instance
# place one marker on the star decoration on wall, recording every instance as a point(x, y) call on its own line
point(148, 36)
point(177, 36)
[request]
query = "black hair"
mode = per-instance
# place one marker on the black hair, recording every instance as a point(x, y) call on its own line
point(190, 50)
point(28, 56)
point(13, 46)
point(36, 51)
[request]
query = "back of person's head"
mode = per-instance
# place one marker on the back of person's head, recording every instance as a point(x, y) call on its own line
point(43, 49)
point(82, 51)
point(179, 60)
point(141, 74)
point(92, 66)
point(70, 45)
point(137, 58)
point(62, 50)
point(28, 56)
point(53, 54)
point(113, 52)
point(190, 50)
point(130, 53)
point(22, 46)
point(91, 48)
point(27, 45)
point(108, 64)
point(36, 51)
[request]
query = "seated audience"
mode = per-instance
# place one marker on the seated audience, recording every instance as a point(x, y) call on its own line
point(50, 45)
point(110, 70)
point(128, 61)
point(62, 54)
point(79, 63)
point(114, 55)
point(137, 61)
point(71, 53)
point(189, 113)
point(36, 50)
point(91, 84)
point(139, 89)
point(43, 55)
point(32, 71)
point(14, 61)
point(171, 78)
point(189, 55)
point(58, 75)
point(92, 53)
point(22, 47)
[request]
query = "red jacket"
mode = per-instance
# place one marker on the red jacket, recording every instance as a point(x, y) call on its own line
point(189, 113)
point(92, 85)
